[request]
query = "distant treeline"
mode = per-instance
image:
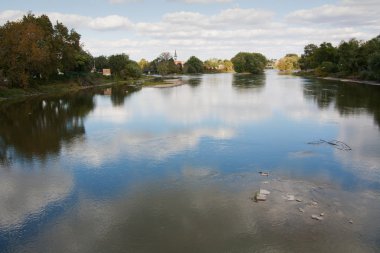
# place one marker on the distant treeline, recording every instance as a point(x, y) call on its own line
point(353, 58)
point(33, 50)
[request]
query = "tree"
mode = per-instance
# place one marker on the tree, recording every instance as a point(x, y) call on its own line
point(249, 62)
point(117, 63)
point(228, 66)
point(193, 65)
point(101, 62)
point(32, 49)
point(374, 65)
point(288, 63)
point(163, 65)
point(132, 69)
point(144, 65)
point(212, 64)
point(307, 60)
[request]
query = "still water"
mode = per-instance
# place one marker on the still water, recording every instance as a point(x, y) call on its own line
point(176, 169)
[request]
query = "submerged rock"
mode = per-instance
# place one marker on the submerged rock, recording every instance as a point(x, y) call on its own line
point(265, 192)
point(264, 174)
point(261, 195)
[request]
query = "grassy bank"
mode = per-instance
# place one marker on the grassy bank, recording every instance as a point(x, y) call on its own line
point(67, 86)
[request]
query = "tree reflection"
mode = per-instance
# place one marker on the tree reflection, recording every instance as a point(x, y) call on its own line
point(195, 81)
point(119, 93)
point(248, 81)
point(37, 127)
point(349, 99)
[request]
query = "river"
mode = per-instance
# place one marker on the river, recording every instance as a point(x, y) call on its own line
point(177, 169)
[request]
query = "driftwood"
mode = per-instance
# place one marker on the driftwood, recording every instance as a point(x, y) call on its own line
point(336, 144)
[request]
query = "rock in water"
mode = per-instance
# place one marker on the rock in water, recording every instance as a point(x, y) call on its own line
point(316, 217)
point(260, 197)
point(265, 192)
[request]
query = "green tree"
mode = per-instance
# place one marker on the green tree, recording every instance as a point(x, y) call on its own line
point(374, 65)
point(132, 69)
point(193, 65)
point(117, 63)
point(101, 62)
point(249, 62)
point(163, 65)
point(351, 60)
point(307, 60)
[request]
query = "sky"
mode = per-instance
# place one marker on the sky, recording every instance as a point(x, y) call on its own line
point(205, 28)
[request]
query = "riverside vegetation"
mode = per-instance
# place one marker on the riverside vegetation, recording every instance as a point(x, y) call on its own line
point(353, 59)
point(39, 57)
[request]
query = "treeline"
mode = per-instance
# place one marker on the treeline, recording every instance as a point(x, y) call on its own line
point(165, 64)
point(353, 58)
point(34, 51)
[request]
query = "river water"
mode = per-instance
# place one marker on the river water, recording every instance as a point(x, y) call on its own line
point(176, 169)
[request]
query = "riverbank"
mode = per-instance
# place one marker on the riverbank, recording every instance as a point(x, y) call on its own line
point(346, 80)
point(337, 79)
point(74, 86)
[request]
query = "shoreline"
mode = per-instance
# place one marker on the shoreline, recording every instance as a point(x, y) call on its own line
point(63, 88)
point(337, 79)
point(346, 80)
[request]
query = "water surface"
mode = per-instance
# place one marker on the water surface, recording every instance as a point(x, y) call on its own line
point(175, 169)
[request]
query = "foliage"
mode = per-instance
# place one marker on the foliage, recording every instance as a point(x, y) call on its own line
point(101, 62)
point(218, 65)
point(144, 65)
point(193, 65)
point(117, 63)
point(249, 62)
point(32, 49)
point(132, 69)
point(351, 58)
point(288, 63)
point(163, 65)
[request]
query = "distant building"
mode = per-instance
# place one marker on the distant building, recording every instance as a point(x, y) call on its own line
point(106, 72)
point(176, 61)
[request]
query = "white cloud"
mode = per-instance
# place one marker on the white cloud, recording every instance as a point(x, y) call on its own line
point(346, 13)
point(202, 1)
point(124, 1)
point(110, 22)
point(223, 33)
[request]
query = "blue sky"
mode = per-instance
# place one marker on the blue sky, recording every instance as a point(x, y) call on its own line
point(205, 28)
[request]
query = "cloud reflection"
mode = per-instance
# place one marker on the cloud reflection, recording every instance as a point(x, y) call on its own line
point(213, 216)
point(141, 145)
point(23, 194)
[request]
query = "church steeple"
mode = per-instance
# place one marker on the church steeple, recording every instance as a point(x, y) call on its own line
point(175, 55)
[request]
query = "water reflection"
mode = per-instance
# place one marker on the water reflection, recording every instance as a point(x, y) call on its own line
point(180, 164)
point(194, 81)
point(23, 194)
point(119, 93)
point(349, 99)
point(38, 127)
point(246, 81)
point(214, 214)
